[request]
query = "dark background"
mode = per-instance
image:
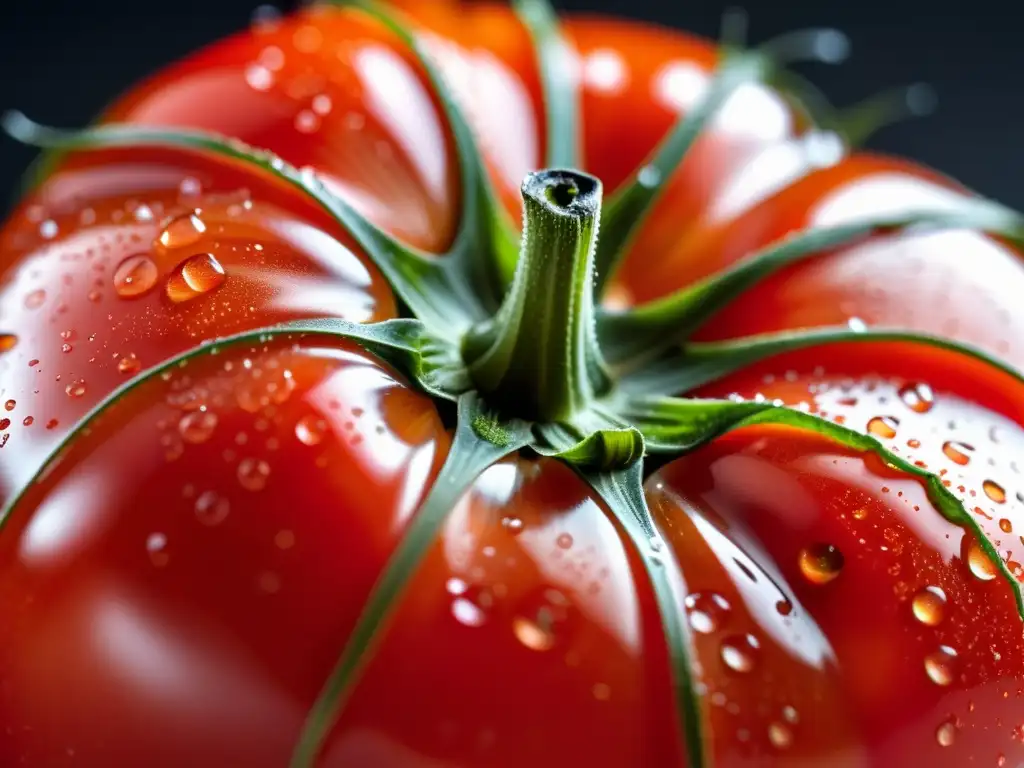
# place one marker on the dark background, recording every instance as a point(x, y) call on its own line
point(62, 60)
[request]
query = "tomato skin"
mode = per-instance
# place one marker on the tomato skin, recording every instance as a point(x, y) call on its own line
point(529, 634)
point(61, 289)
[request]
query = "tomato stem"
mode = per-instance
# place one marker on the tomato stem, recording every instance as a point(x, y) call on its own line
point(538, 357)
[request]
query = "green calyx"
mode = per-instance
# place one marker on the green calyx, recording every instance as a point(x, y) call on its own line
point(524, 347)
point(538, 357)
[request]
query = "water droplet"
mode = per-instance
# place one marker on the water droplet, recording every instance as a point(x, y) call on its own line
point(311, 430)
point(929, 605)
point(977, 561)
point(784, 607)
point(512, 524)
point(958, 452)
point(135, 276)
point(648, 177)
point(5, 423)
point(780, 735)
point(564, 541)
point(917, 397)
point(707, 611)
point(740, 652)
point(945, 734)
point(259, 77)
point(821, 563)
point(76, 388)
point(471, 605)
point(10, 405)
point(307, 121)
point(856, 325)
point(940, 665)
point(35, 299)
point(28, 421)
point(156, 546)
point(7, 342)
point(182, 231)
point(601, 691)
point(253, 474)
point(48, 229)
point(211, 508)
point(197, 275)
point(883, 426)
point(129, 364)
point(542, 620)
point(197, 426)
point(994, 491)
point(790, 714)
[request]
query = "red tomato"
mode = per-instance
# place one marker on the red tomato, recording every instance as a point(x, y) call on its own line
point(178, 585)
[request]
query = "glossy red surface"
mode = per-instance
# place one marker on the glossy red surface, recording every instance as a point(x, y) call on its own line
point(179, 584)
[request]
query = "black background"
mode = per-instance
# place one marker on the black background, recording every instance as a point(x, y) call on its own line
point(63, 60)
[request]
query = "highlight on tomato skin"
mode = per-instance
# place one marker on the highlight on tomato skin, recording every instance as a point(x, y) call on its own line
point(180, 580)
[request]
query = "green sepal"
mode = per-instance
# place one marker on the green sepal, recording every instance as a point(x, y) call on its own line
point(676, 425)
point(398, 341)
point(633, 336)
point(481, 438)
point(626, 210)
point(434, 288)
point(558, 83)
point(695, 364)
point(622, 492)
point(485, 230)
point(595, 440)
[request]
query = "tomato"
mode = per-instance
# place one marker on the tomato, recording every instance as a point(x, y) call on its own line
point(179, 580)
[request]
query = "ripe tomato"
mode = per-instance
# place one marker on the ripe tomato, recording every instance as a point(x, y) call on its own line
point(178, 583)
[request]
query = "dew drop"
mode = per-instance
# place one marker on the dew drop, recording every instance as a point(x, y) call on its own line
point(945, 734)
point(48, 229)
point(310, 430)
point(649, 176)
point(253, 474)
point(197, 426)
point(940, 665)
point(780, 735)
point(977, 561)
point(28, 421)
point(821, 563)
point(135, 276)
point(156, 546)
point(35, 299)
point(129, 364)
point(929, 605)
point(471, 605)
point(564, 541)
point(5, 423)
point(512, 524)
point(883, 426)
point(211, 508)
point(76, 388)
point(707, 611)
point(7, 342)
point(917, 397)
point(740, 652)
point(542, 620)
point(10, 405)
point(182, 231)
point(958, 452)
point(197, 275)
point(307, 121)
point(994, 491)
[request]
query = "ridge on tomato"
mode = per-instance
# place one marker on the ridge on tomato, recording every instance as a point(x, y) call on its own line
point(311, 456)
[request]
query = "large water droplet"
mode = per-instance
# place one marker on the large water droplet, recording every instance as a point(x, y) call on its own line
point(135, 276)
point(10, 405)
point(253, 474)
point(182, 231)
point(129, 364)
point(977, 561)
point(740, 652)
point(883, 426)
point(994, 491)
point(708, 612)
point(780, 735)
point(542, 620)
point(212, 508)
point(197, 426)
point(821, 563)
point(197, 275)
point(1005, 525)
point(76, 388)
point(564, 541)
point(945, 734)
point(940, 665)
point(929, 605)
point(311, 429)
point(958, 452)
point(917, 397)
